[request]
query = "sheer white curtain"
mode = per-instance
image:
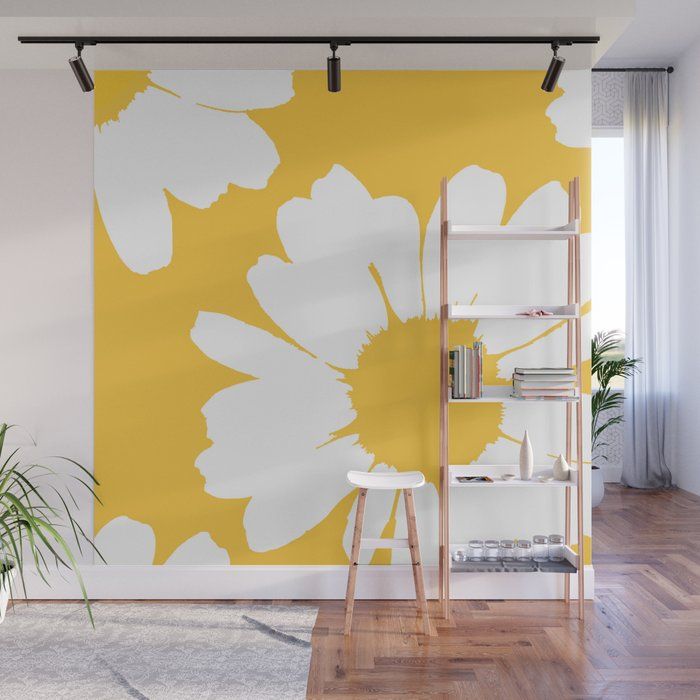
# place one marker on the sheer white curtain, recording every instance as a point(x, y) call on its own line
point(647, 408)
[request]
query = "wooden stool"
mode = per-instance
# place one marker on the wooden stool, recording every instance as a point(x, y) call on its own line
point(406, 481)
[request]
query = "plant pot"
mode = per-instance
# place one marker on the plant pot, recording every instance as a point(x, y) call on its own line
point(7, 578)
point(597, 486)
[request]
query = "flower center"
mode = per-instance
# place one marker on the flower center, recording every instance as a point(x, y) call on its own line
point(395, 392)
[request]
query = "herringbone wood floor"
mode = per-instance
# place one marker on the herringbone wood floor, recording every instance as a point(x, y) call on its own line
point(641, 636)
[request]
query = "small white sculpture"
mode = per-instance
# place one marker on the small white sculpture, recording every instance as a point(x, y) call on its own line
point(527, 460)
point(561, 470)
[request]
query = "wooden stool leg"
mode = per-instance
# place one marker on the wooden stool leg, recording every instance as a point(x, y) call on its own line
point(417, 567)
point(354, 559)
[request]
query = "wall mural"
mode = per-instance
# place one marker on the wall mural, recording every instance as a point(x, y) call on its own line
point(266, 296)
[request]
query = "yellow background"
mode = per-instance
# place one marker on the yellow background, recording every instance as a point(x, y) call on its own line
point(398, 133)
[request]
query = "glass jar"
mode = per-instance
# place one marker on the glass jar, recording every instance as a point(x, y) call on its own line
point(556, 548)
point(459, 555)
point(491, 550)
point(476, 550)
point(507, 550)
point(540, 548)
point(523, 550)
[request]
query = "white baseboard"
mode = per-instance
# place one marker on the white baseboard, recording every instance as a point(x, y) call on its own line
point(291, 582)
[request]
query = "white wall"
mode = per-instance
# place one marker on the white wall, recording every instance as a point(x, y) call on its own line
point(46, 254)
point(684, 174)
point(46, 345)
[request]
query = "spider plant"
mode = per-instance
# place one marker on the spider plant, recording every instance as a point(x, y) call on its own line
point(36, 518)
point(607, 363)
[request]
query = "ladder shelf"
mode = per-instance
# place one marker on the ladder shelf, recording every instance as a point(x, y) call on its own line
point(570, 314)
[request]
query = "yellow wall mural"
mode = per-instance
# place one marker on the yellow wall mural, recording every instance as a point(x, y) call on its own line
point(266, 295)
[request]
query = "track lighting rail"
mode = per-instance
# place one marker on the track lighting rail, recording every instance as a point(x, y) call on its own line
point(334, 42)
point(339, 40)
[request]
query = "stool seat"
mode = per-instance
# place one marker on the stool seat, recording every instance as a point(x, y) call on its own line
point(386, 480)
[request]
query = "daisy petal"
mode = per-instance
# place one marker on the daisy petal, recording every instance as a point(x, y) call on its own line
point(248, 349)
point(297, 398)
point(475, 196)
point(301, 491)
point(301, 412)
point(327, 298)
point(199, 549)
point(126, 541)
point(571, 113)
point(234, 90)
point(135, 162)
point(314, 304)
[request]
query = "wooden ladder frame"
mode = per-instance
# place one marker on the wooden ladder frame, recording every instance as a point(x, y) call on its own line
point(573, 355)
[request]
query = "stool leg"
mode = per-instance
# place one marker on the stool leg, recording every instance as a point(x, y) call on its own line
point(417, 567)
point(354, 559)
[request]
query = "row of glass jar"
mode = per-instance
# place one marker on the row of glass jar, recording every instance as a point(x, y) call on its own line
point(541, 548)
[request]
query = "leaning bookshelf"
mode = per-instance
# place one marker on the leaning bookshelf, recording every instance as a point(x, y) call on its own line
point(570, 314)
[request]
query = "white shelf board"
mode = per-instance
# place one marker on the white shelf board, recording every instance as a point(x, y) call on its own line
point(474, 311)
point(469, 232)
point(502, 394)
point(495, 471)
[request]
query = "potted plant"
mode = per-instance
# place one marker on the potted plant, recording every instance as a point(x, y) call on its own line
point(607, 363)
point(36, 520)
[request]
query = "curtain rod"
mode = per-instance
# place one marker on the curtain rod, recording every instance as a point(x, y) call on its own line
point(339, 40)
point(669, 69)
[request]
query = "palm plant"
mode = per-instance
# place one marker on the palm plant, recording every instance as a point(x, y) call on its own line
point(607, 363)
point(32, 527)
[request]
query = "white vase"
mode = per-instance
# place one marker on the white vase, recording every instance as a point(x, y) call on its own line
point(597, 486)
point(527, 459)
point(561, 471)
point(6, 580)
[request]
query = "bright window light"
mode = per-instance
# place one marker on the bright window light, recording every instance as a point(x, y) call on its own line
point(608, 243)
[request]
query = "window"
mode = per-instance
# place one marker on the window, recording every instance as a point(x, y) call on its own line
point(608, 245)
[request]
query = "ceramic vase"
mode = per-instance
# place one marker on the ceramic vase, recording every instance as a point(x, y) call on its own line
point(527, 459)
point(597, 486)
point(6, 582)
point(561, 470)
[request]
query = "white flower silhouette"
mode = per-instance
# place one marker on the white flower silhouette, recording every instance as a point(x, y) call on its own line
point(181, 136)
point(274, 437)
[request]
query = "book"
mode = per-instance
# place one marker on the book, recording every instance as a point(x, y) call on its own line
point(466, 371)
point(543, 384)
point(554, 378)
point(545, 392)
point(479, 373)
point(569, 371)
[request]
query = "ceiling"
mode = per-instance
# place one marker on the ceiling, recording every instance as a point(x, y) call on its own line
point(608, 18)
point(660, 31)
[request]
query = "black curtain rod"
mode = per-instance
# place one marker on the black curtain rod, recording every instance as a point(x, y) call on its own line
point(669, 69)
point(339, 40)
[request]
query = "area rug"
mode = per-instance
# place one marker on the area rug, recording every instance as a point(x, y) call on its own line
point(156, 651)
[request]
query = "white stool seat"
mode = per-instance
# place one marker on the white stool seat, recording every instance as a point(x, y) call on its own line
point(386, 480)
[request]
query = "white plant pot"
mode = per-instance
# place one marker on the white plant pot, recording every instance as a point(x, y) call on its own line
point(6, 581)
point(597, 486)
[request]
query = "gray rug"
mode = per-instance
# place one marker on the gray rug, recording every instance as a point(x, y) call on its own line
point(156, 651)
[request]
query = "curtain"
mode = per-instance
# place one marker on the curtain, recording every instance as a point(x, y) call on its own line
point(647, 407)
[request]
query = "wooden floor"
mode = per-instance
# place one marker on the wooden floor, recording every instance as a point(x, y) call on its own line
point(641, 636)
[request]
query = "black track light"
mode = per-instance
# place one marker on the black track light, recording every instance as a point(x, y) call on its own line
point(554, 71)
point(333, 70)
point(80, 71)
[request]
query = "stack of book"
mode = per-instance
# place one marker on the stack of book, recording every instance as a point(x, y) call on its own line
point(466, 371)
point(544, 383)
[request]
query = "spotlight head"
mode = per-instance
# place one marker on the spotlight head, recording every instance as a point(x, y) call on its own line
point(80, 71)
point(554, 70)
point(333, 69)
